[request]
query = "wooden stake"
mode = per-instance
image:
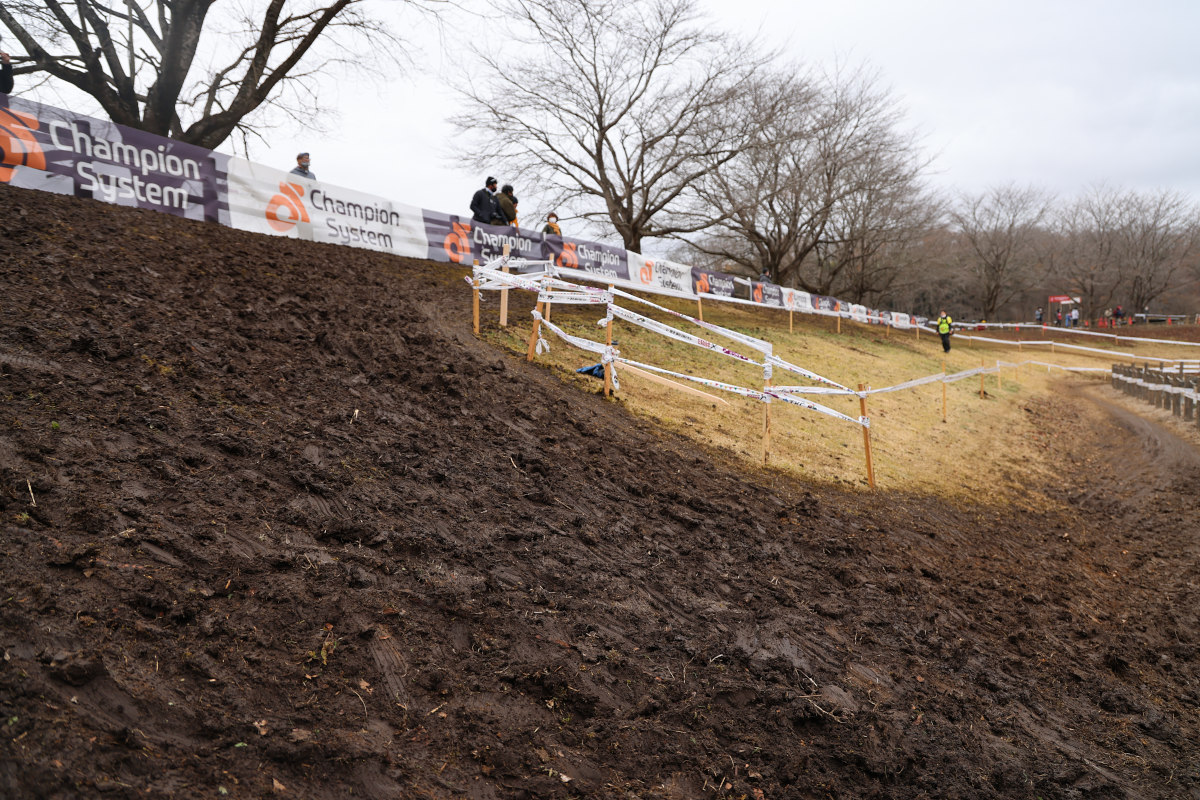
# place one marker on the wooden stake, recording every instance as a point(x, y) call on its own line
point(504, 297)
point(475, 300)
point(982, 364)
point(533, 335)
point(862, 404)
point(999, 385)
point(839, 329)
point(790, 315)
point(700, 309)
point(608, 384)
point(766, 426)
point(943, 390)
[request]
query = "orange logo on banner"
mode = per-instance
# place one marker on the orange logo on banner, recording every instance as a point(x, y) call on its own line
point(702, 283)
point(758, 292)
point(458, 243)
point(18, 148)
point(648, 272)
point(290, 204)
point(568, 259)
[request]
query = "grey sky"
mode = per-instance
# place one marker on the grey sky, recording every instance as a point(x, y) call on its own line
point(1059, 94)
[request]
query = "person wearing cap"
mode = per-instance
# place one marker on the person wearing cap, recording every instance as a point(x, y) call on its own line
point(552, 225)
point(301, 168)
point(483, 204)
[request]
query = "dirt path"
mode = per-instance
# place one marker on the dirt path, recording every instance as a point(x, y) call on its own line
point(272, 529)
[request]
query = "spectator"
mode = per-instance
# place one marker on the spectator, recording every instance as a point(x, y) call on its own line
point(484, 207)
point(6, 74)
point(301, 168)
point(1118, 314)
point(552, 225)
point(508, 205)
point(1037, 315)
point(1075, 317)
point(1058, 318)
point(764, 276)
point(943, 328)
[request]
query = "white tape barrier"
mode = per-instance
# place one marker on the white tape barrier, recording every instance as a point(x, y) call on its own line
point(498, 279)
point(612, 355)
point(1020, 326)
point(758, 344)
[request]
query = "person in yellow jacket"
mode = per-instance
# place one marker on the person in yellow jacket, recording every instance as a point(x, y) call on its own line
point(943, 328)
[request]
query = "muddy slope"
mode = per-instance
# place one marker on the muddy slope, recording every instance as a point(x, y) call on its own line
point(275, 524)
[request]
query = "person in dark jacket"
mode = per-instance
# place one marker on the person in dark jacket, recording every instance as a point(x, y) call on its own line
point(508, 205)
point(483, 203)
point(6, 74)
point(551, 226)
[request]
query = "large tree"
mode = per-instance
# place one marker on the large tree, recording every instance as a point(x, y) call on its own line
point(829, 182)
point(142, 60)
point(611, 108)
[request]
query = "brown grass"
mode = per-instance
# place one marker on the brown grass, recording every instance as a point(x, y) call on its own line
point(988, 449)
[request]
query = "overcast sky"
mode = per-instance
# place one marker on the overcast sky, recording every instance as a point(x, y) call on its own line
point(1059, 94)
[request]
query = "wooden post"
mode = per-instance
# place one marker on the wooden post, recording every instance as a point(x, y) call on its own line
point(608, 366)
point(943, 390)
point(999, 385)
point(839, 328)
point(917, 328)
point(862, 404)
point(533, 335)
point(766, 426)
point(475, 300)
point(983, 365)
point(504, 296)
point(791, 314)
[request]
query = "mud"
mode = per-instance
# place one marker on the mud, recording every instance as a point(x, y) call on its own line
point(276, 525)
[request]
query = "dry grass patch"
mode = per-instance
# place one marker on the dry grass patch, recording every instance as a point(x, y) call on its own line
point(988, 449)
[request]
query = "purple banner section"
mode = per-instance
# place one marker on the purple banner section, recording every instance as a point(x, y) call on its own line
point(461, 240)
point(606, 263)
point(767, 293)
point(58, 151)
point(717, 283)
point(823, 303)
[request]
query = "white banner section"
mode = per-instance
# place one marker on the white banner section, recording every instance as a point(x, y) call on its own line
point(271, 201)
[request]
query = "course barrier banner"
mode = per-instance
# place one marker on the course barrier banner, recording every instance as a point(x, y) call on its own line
point(271, 201)
point(661, 276)
point(599, 262)
point(59, 151)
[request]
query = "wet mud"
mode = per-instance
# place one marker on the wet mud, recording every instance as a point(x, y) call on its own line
point(276, 525)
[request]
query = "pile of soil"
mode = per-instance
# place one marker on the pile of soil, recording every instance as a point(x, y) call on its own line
point(276, 524)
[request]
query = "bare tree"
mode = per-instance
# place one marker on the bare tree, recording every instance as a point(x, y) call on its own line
point(1116, 244)
point(1160, 238)
point(827, 171)
point(140, 59)
point(1087, 248)
point(611, 107)
point(1000, 228)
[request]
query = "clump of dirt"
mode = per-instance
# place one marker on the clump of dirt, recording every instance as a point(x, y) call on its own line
point(275, 524)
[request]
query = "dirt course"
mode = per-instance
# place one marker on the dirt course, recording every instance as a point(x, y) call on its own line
point(276, 525)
